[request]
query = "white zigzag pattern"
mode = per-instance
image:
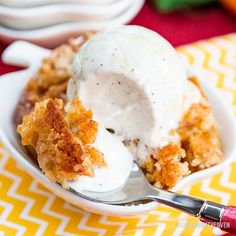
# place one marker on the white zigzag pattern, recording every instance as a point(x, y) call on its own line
point(160, 226)
point(230, 59)
point(162, 215)
point(122, 225)
point(141, 223)
point(28, 201)
point(224, 180)
point(8, 207)
point(160, 229)
point(205, 187)
point(4, 221)
point(228, 97)
point(199, 56)
point(214, 63)
point(47, 206)
point(230, 52)
point(229, 70)
point(82, 224)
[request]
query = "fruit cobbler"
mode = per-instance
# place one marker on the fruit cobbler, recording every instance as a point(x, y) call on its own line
point(117, 80)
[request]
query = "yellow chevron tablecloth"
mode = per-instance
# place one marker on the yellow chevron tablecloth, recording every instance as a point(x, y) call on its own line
point(27, 208)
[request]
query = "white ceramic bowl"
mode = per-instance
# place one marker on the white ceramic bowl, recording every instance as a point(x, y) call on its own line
point(11, 86)
point(54, 35)
point(30, 3)
point(31, 18)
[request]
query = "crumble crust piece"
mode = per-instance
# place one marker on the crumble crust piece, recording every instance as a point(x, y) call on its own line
point(61, 154)
point(200, 138)
point(168, 166)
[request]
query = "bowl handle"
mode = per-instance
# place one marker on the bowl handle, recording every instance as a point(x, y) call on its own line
point(25, 54)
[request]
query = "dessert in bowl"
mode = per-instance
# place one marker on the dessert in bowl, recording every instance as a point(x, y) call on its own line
point(129, 98)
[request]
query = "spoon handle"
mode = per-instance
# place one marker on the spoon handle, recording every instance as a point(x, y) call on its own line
point(211, 213)
point(227, 220)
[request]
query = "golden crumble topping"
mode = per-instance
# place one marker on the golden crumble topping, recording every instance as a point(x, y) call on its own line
point(61, 154)
point(200, 138)
point(168, 166)
point(80, 121)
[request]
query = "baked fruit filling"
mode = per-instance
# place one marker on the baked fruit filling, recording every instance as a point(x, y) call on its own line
point(63, 133)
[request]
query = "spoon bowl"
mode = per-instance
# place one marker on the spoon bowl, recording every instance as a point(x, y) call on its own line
point(137, 189)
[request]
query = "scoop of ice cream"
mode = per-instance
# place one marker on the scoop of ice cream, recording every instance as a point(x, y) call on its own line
point(133, 81)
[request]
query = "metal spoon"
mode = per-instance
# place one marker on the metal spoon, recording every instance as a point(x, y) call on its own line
point(138, 189)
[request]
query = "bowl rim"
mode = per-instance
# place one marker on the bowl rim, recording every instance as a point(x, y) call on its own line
point(69, 28)
point(99, 207)
point(43, 16)
point(32, 11)
point(25, 3)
